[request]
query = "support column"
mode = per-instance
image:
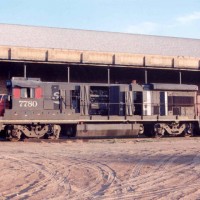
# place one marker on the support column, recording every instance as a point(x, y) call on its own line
point(146, 76)
point(108, 75)
point(9, 75)
point(68, 74)
point(180, 77)
point(25, 75)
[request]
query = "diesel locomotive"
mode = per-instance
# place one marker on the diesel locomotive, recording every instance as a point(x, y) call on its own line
point(36, 109)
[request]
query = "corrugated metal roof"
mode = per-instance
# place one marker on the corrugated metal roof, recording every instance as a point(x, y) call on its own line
point(72, 39)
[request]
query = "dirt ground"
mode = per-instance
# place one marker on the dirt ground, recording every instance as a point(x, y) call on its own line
point(101, 169)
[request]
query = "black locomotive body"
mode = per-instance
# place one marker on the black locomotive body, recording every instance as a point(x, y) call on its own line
point(36, 109)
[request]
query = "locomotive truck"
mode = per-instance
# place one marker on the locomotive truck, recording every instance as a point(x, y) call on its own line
point(35, 109)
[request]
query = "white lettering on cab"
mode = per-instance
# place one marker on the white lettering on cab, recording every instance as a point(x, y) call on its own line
point(28, 104)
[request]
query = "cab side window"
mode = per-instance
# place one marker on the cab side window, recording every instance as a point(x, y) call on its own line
point(27, 93)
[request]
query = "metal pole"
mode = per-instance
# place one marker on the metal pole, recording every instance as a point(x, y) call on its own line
point(68, 74)
point(109, 92)
point(108, 75)
point(180, 77)
point(25, 71)
point(9, 74)
point(146, 76)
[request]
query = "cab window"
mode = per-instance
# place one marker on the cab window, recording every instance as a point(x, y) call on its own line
point(27, 93)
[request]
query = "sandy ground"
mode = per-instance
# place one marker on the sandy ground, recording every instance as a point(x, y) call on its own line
point(108, 169)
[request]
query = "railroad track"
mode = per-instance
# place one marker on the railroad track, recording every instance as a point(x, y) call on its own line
point(93, 140)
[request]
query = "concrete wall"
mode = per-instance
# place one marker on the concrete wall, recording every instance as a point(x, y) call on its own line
point(59, 55)
point(97, 58)
point(187, 62)
point(101, 58)
point(129, 59)
point(5, 53)
point(159, 61)
point(28, 54)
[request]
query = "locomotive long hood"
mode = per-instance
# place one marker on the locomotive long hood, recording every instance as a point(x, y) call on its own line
point(179, 87)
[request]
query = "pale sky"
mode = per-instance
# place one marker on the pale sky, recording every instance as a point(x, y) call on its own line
point(178, 18)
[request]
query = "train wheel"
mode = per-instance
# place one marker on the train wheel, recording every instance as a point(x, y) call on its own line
point(188, 132)
point(13, 134)
point(159, 131)
point(54, 131)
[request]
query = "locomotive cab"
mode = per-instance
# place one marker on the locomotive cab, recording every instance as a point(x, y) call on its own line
point(26, 108)
point(26, 95)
